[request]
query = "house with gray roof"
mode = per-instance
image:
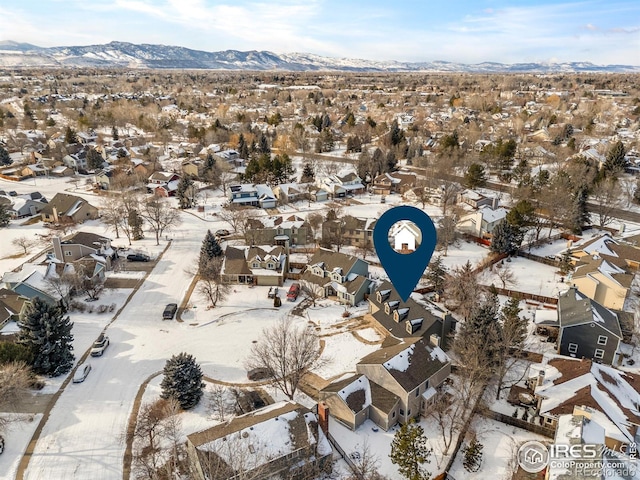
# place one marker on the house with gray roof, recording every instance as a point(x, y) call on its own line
point(337, 274)
point(586, 328)
point(411, 370)
point(411, 318)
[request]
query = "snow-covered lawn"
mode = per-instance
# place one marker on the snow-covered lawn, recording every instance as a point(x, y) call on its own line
point(529, 277)
point(16, 439)
point(501, 443)
point(464, 250)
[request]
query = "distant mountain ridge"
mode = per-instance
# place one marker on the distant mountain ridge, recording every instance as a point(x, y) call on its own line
point(130, 55)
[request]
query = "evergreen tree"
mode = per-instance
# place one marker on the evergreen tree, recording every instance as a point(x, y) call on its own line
point(70, 136)
point(114, 133)
point(135, 222)
point(209, 163)
point(522, 214)
point(94, 159)
point(182, 380)
point(472, 456)
point(243, 148)
point(565, 266)
point(210, 249)
point(4, 215)
point(184, 192)
point(396, 135)
point(263, 144)
point(475, 176)
point(409, 451)
point(5, 159)
point(46, 332)
point(506, 239)
point(579, 212)
point(514, 327)
point(308, 176)
point(615, 160)
point(436, 274)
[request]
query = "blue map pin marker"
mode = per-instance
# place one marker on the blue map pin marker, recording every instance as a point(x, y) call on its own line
point(404, 269)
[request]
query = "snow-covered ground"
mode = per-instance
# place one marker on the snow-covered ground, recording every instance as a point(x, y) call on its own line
point(529, 277)
point(16, 437)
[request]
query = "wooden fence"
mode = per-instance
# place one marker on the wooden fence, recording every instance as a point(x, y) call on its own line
point(518, 422)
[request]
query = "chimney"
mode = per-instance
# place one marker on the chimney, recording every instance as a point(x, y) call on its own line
point(540, 378)
point(54, 211)
point(495, 201)
point(323, 417)
point(57, 249)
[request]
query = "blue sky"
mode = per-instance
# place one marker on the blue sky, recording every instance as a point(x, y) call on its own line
point(470, 31)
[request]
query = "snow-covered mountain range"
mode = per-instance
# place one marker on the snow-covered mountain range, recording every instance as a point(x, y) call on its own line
point(129, 55)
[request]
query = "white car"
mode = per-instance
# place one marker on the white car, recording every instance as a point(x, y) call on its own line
point(100, 345)
point(81, 373)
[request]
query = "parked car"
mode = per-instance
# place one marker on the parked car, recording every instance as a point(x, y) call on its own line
point(259, 373)
point(1, 444)
point(294, 291)
point(100, 345)
point(273, 292)
point(169, 311)
point(383, 199)
point(81, 373)
point(138, 257)
point(222, 233)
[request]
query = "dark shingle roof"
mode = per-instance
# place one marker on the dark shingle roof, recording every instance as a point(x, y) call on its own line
point(574, 308)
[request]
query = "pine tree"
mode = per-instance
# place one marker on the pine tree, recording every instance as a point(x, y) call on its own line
point(473, 456)
point(308, 175)
point(514, 327)
point(184, 192)
point(243, 148)
point(182, 380)
point(94, 159)
point(70, 136)
point(436, 274)
point(475, 176)
point(135, 222)
point(114, 133)
point(210, 249)
point(615, 160)
point(5, 159)
point(579, 213)
point(4, 215)
point(46, 332)
point(409, 451)
point(506, 239)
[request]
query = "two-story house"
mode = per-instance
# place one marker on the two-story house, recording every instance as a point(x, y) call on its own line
point(277, 441)
point(586, 328)
point(342, 184)
point(393, 384)
point(565, 386)
point(476, 199)
point(411, 318)
point(258, 195)
point(337, 274)
point(84, 244)
point(292, 230)
point(393, 182)
point(265, 265)
point(163, 184)
point(349, 230)
point(482, 222)
point(66, 208)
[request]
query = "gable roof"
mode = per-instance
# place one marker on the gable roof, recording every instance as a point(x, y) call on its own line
point(575, 308)
point(410, 363)
point(87, 239)
point(65, 203)
point(429, 314)
point(332, 260)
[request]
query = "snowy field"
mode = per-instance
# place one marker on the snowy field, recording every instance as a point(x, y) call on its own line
point(16, 439)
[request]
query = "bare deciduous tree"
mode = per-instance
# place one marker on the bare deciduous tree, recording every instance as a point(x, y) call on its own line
point(286, 352)
point(160, 216)
point(15, 378)
point(24, 243)
point(606, 200)
point(211, 283)
point(506, 276)
point(218, 401)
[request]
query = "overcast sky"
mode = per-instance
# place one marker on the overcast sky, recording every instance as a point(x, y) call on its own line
point(469, 31)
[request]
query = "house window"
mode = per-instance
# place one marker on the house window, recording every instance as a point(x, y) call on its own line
point(393, 415)
point(270, 266)
point(602, 339)
point(417, 391)
point(68, 253)
point(573, 348)
point(255, 265)
point(599, 353)
point(548, 420)
point(401, 412)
